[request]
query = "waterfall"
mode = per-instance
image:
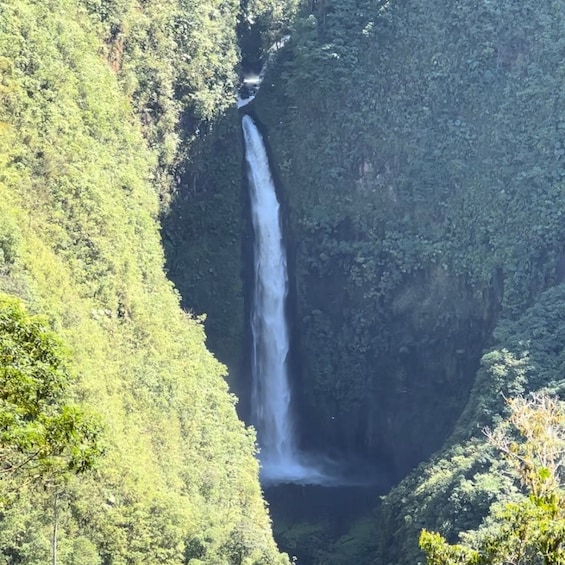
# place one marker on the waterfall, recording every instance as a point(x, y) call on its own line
point(271, 393)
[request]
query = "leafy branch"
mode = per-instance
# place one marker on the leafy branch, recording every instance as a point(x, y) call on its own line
point(531, 530)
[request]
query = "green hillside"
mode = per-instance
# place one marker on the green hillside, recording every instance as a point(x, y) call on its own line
point(90, 97)
point(419, 154)
point(418, 148)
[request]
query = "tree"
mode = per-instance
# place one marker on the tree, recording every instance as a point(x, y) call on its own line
point(530, 530)
point(43, 435)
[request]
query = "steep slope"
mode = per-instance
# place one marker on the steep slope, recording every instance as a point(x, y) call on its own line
point(79, 243)
point(420, 151)
point(454, 490)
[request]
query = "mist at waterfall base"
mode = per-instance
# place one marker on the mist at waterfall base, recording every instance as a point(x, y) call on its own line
point(271, 398)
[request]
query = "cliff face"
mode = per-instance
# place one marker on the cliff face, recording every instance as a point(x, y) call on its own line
point(421, 181)
point(90, 97)
point(419, 149)
point(202, 235)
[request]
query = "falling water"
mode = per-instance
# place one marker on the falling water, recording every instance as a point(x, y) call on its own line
point(271, 396)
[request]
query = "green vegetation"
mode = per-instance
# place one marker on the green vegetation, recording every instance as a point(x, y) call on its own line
point(42, 435)
point(456, 489)
point(202, 234)
point(90, 96)
point(420, 150)
point(176, 60)
point(530, 529)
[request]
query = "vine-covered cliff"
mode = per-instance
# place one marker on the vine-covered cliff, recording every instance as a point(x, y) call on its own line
point(420, 148)
point(419, 151)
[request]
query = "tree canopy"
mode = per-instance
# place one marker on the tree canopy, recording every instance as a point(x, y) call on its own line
point(43, 434)
point(529, 530)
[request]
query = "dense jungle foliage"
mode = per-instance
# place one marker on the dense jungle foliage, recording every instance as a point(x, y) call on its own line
point(419, 152)
point(119, 442)
point(420, 148)
point(531, 527)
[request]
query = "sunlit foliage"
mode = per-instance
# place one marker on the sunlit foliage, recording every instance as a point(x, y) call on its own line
point(90, 94)
point(43, 435)
point(531, 529)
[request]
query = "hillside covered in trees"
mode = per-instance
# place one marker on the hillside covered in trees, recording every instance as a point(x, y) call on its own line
point(119, 442)
point(419, 152)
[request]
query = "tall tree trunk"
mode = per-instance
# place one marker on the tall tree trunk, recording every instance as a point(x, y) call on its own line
point(54, 533)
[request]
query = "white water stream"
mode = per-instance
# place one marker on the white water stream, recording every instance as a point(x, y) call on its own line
point(271, 394)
